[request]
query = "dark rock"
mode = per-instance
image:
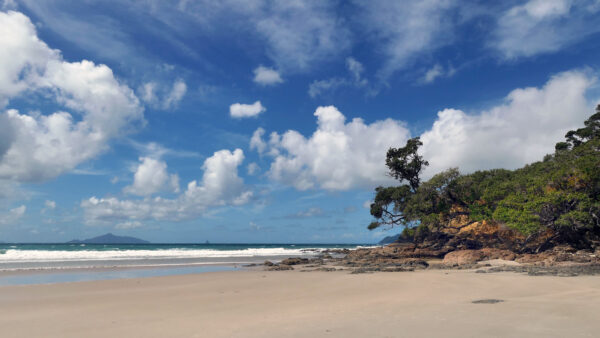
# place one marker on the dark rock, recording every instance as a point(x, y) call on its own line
point(280, 267)
point(294, 261)
point(268, 263)
point(327, 269)
point(487, 301)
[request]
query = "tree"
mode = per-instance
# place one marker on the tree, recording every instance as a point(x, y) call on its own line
point(405, 164)
point(577, 137)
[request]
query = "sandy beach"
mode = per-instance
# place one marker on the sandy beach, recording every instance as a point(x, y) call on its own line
point(313, 304)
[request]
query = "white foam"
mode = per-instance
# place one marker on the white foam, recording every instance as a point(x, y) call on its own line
point(15, 256)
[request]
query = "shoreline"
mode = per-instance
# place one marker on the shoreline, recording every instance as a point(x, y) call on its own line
point(255, 303)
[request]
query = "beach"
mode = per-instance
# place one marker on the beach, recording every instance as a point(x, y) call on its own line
point(256, 303)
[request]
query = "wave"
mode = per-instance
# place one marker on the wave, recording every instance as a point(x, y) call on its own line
point(15, 255)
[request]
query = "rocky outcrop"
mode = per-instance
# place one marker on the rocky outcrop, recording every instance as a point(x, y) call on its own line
point(295, 261)
point(463, 257)
point(462, 233)
point(466, 257)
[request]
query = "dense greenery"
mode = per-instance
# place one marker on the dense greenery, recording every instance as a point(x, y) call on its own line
point(562, 191)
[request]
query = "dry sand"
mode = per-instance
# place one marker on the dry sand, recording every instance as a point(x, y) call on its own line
point(314, 304)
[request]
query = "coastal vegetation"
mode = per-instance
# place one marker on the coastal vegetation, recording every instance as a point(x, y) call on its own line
point(553, 201)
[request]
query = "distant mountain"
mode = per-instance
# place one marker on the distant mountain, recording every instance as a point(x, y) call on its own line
point(389, 239)
point(110, 239)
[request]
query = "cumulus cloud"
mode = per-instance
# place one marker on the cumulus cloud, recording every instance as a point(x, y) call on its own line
point(220, 186)
point(267, 76)
point(338, 155)
point(151, 177)
point(257, 142)
point(239, 110)
point(543, 26)
point(39, 147)
point(522, 129)
point(342, 156)
point(13, 215)
point(162, 97)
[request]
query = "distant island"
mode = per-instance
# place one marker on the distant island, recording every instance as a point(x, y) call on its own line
point(109, 239)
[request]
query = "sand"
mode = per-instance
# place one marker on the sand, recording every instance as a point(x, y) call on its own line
point(307, 304)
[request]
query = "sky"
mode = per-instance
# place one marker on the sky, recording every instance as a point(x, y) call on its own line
point(268, 121)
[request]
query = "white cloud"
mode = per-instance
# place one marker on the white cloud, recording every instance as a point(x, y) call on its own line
point(296, 34)
point(8, 4)
point(13, 215)
point(156, 150)
point(49, 204)
point(252, 168)
point(151, 177)
point(309, 213)
point(239, 110)
point(544, 26)
point(256, 141)
point(435, 72)
point(147, 92)
point(41, 147)
point(254, 226)
point(128, 225)
point(318, 87)
point(300, 33)
point(266, 76)
point(338, 155)
point(342, 156)
point(407, 29)
point(177, 92)
point(356, 69)
point(355, 79)
point(220, 186)
point(521, 130)
point(162, 97)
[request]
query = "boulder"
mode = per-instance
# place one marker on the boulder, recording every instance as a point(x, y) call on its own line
point(463, 257)
point(294, 261)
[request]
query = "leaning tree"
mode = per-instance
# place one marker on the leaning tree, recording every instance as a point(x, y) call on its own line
point(405, 165)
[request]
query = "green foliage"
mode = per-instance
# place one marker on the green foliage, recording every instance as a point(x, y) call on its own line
point(405, 164)
point(562, 191)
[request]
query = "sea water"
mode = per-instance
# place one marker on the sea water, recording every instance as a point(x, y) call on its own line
point(71, 256)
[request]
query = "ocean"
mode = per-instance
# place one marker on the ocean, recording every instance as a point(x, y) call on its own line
point(22, 257)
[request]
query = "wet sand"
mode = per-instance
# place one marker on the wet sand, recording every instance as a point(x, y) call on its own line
point(307, 304)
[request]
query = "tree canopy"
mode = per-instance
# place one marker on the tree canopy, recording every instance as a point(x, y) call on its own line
point(562, 191)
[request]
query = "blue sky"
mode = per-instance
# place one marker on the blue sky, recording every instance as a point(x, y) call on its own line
point(265, 121)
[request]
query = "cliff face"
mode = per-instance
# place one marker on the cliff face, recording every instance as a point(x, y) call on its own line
point(462, 233)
